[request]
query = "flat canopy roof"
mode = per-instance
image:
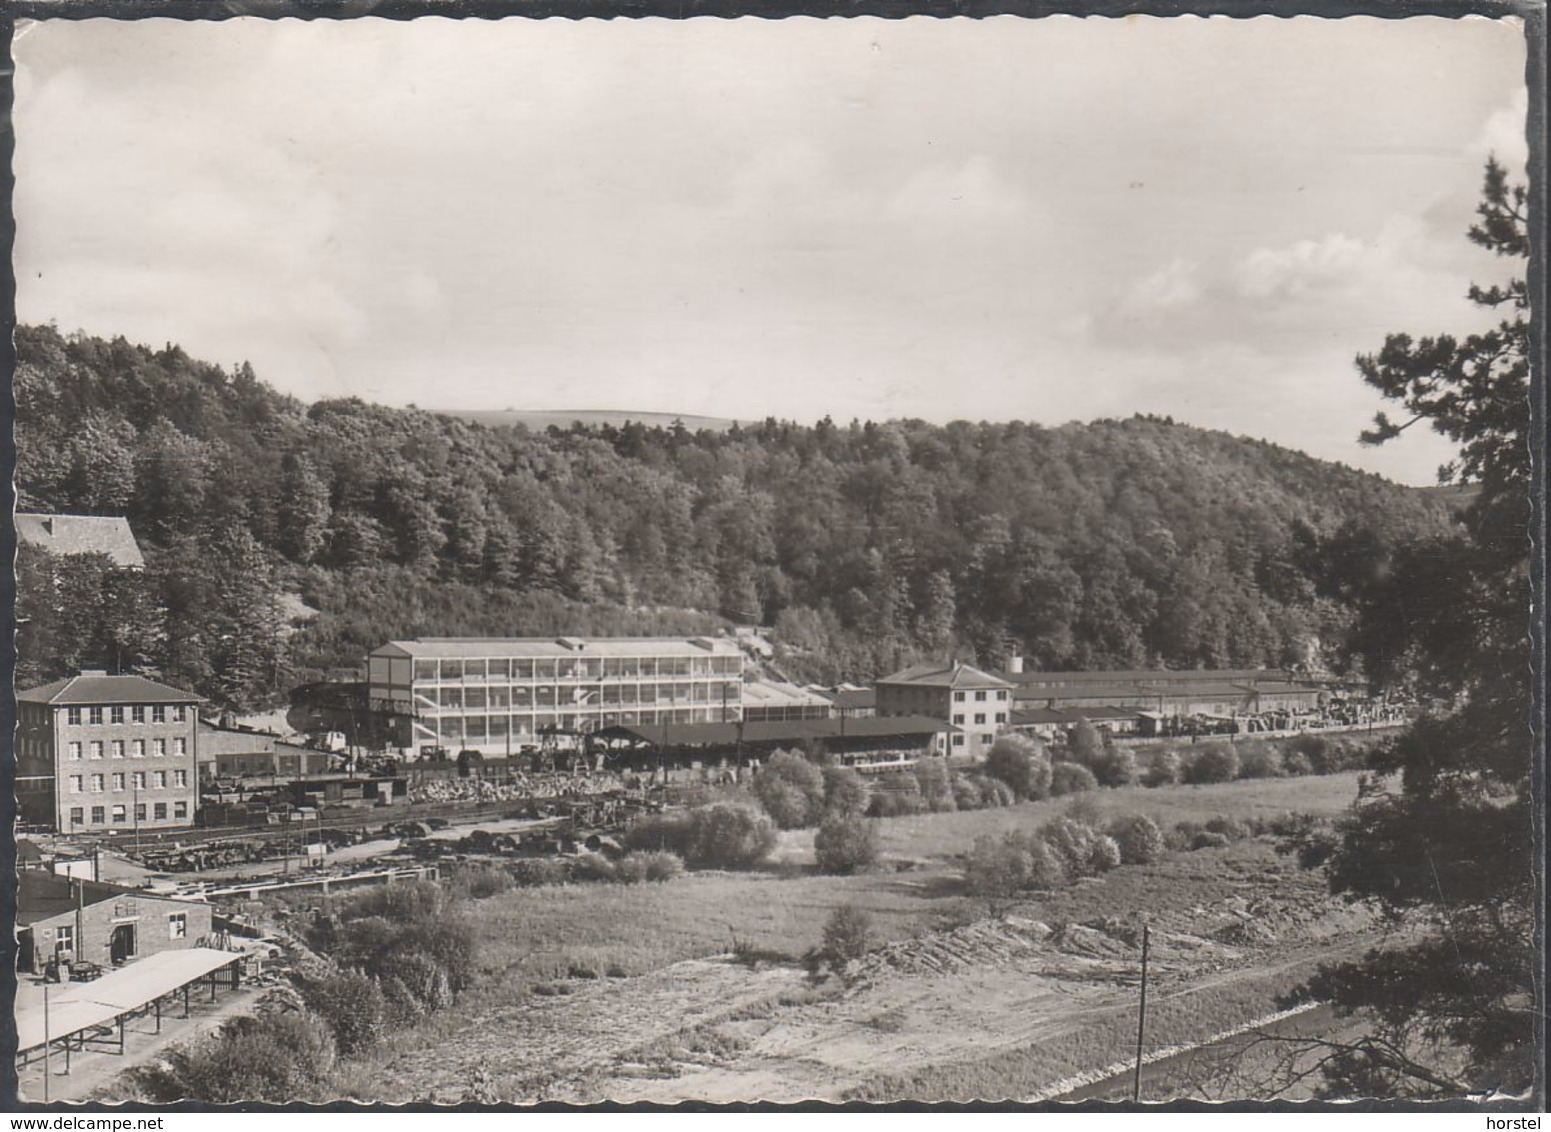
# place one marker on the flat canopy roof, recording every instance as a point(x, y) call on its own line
point(129, 988)
point(782, 731)
point(558, 647)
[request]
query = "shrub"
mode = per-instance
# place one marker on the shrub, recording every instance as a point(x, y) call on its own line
point(1138, 837)
point(1092, 748)
point(845, 791)
point(1072, 842)
point(263, 1057)
point(352, 1006)
point(478, 882)
point(728, 835)
point(1183, 835)
point(452, 943)
point(845, 843)
point(534, 872)
point(786, 804)
point(1103, 854)
point(1260, 760)
point(1022, 764)
point(935, 783)
point(1162, 768)
point(407, 900)
point(1214, 762)
point(847, 935)
point(1046, 869)
point(896, 795)
point(658, 867)
point(994, 793)
point(967, 794)
point(791, 789)
point(1208, 840)
point(1231, 828)
point(593, 867)
point(417, 976)
point(998, 868)
point(630, 869)
point(1070, 778)
point(1313, 751)
point(722, 835)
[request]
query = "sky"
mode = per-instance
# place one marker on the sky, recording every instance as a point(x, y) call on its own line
point(1047, 220)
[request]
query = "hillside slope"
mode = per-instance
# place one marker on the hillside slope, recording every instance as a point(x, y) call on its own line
point(1118, 542)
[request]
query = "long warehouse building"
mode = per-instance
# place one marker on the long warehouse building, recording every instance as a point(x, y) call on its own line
point(498, 696)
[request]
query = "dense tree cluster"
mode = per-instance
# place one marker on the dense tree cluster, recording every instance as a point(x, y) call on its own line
point(1115, 543)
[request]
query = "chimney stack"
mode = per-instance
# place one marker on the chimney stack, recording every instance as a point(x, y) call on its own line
point(1015, 665)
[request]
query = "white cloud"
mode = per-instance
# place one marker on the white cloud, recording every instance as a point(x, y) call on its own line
point(1505, 134)
point(1175, 285)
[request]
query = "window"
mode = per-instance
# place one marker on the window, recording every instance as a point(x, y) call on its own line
point(94, 716)
point(158, 748)
point(77, 815)
point(74, 750)
point(96, 748)
point(98, 815)
point(1001, 696)
point(64, 939)
point(116, 748)
point(73, 716)
point(959, 718)
point(980, 697)
point(180, 747)
point(958, 697)
point(958, 740)
point(180, 809)
point(161, 811)
point(140, 811)
point(180, 778)
point(76, 782)
point(118, 782)
point(137, 713)
point(137, 748)
point(116, 715)
point(180, 713)
point(159, 779)
point(120, 815)
point(139, 780)
point(177, 925)
point(1001, 717)
point(97, 784)
point(980, 717)
point(158, 714)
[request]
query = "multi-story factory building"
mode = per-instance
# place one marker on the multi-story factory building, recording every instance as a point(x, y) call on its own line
point(96, 752)
point(498, 696)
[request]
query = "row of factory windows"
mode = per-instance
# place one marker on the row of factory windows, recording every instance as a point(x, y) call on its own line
point(117, 747)
point(980, 717)
point(137, 781)
point(157, 812)
point(980, 696)
point(115, 714)
point(480, 727)
point(548, 695)
point(578, 668)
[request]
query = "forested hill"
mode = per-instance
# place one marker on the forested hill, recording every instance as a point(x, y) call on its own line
point(1115, 543)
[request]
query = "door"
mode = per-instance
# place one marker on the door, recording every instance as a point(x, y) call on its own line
point(121, 945)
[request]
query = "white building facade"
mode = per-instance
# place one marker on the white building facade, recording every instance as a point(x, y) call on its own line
point(501, 696)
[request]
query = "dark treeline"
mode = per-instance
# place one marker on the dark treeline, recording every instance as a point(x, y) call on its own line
point(1116, 543)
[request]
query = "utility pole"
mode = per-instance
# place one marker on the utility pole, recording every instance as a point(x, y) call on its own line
point(47, 1073)
point(1141, 1025)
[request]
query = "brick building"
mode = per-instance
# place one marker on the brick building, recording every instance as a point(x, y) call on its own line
point(59, 916)
point(96, 752)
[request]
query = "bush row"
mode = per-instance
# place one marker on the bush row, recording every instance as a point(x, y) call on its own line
point(1062, 850)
